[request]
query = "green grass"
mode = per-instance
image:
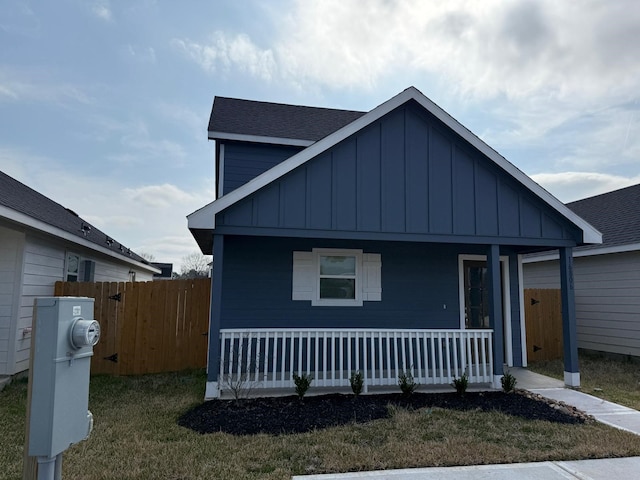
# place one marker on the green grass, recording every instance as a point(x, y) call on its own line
point(136, 437)
point(613, 379)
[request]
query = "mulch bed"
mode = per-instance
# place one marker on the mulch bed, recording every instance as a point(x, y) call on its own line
point(282, 415)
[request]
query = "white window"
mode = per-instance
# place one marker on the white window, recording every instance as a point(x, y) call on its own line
point(73, 267)
point(335, 277)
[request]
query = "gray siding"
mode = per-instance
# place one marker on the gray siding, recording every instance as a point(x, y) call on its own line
point(44, 265)
point(607, 299)
point(404, 174)
point(11, 243)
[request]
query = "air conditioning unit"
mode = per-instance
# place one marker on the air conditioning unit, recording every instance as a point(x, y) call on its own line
point(87, 271)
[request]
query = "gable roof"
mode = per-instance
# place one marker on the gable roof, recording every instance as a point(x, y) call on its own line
point(23, 205)
point(616, 214)
point(265, 122)
point(204, 218)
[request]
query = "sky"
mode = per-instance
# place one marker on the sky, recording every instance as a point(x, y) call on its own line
point(104, 105)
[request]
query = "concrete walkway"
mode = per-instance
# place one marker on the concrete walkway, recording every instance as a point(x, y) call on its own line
point(606, 412)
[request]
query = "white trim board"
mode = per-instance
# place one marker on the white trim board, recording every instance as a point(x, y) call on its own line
point(259, 139)
point(21, 218)
point(591, 252)
point(204, 218)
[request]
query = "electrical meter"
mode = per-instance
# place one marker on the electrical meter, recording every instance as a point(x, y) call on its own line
point(84, 333)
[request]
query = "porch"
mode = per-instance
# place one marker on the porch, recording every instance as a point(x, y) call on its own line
point(266, 359)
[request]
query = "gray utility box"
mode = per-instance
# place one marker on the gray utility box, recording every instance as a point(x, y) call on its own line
point(62, 347)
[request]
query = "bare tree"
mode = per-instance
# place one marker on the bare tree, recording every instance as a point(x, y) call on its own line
point(195, 265)
point(149, 257)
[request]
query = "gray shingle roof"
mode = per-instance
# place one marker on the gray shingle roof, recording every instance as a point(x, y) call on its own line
point(276, 120)
point(25, 200)
point(616, 214)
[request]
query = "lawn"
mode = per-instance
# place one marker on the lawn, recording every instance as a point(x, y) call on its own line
point(136, 437)
point(613, 379)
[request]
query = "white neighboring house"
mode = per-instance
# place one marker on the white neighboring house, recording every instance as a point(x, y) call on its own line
point(42, 242)
point(606, 276)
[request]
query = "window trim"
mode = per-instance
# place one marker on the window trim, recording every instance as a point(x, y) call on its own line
point(337, 302)
point(66, 267)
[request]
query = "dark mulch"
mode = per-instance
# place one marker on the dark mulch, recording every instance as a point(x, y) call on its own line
point(281, 415)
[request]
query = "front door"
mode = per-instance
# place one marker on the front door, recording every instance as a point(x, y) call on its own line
point(475, 286)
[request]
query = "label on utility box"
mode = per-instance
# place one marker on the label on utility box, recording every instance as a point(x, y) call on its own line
point(77, 310)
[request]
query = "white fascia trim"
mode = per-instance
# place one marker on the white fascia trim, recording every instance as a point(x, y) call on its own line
point(632, 247)
point(259, 139)
point(31, 222)
point(590, 234)
point(220, 189)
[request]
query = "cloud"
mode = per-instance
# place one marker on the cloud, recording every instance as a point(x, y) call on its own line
point(102, 10)
point(552, 62)
point(36, 85)
point(160, 196)
point(513, 48)
point(223, 52)
point(570, 186)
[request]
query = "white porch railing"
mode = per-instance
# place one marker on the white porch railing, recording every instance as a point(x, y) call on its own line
point(268, 358)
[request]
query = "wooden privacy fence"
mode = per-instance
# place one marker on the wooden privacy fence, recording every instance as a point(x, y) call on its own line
point(543, 318)
point(147, 327)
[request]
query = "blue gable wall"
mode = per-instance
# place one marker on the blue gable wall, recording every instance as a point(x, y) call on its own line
point(404, 174)
point(245, 161)
point(417, 281)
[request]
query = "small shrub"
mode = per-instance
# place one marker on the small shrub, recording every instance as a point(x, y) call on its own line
point(407, 383)
point(357, 382)
point(461, 384)
point(303, 382)
point(508, 382)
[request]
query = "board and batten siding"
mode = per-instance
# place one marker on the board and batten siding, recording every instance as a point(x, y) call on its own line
point(404, 176)
point(607, 292)
point(10, 272)
point(243, 162)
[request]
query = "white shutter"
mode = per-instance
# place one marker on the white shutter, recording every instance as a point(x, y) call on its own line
point(304, 278)
point(372, 277)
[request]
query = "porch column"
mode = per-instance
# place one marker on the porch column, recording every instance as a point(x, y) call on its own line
point(495, 312)
point(569, 330)
point(213, 361)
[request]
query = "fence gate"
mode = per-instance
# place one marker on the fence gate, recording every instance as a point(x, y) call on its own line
point(543, 318)
point(147, 327)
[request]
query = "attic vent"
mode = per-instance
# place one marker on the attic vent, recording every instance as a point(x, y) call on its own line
point(72, 212)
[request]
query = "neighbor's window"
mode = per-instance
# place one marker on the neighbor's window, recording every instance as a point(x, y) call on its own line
point(73, 267)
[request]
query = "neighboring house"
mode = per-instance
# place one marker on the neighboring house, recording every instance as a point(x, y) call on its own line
point(41, 242)
point(379, 242)
point(166, 271)
point(607, 276)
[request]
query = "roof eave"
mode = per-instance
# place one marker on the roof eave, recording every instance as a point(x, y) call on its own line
point(295, 142)
point(26, 220)
point(206, 215)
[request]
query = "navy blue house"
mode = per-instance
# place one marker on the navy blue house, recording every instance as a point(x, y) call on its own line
point(384, 242)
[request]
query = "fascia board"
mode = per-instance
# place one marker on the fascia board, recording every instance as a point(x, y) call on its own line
point(589, 233)
point(591, 252)
point(27, 221)
point(259, 139)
